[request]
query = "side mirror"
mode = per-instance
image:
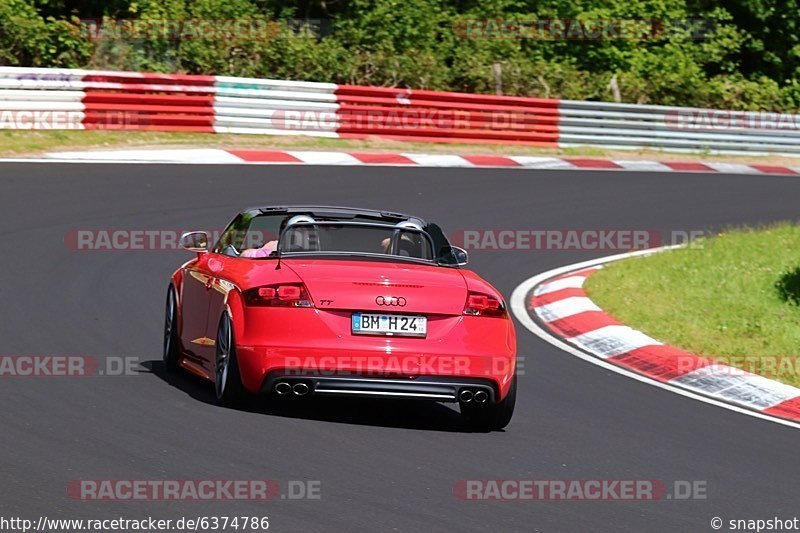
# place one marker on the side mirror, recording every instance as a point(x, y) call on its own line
point(195, 241)
point(461, 255)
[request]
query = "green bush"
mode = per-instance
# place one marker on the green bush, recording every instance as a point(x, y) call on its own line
point(27, 39)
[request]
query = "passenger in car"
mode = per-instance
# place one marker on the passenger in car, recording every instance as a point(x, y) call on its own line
point(265, 251)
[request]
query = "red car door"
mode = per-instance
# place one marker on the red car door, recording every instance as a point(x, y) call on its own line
point(217, 297)
point(197, 287)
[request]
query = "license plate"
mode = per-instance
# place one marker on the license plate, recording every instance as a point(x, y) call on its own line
point(399, 325)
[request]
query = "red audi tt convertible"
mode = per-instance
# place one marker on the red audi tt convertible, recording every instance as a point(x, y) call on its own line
point(332, 301)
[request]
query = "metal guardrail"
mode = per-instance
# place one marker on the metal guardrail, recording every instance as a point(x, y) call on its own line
point(685, 129)
point(37, 98)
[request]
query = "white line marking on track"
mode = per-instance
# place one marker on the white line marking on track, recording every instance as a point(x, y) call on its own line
point(566, 307)
point(609, 341)
point(571, 282)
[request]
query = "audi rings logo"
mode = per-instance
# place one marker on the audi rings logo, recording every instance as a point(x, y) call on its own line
point(391, 301)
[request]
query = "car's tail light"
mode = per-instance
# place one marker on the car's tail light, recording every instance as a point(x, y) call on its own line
point(484, 305)
point(284, 295)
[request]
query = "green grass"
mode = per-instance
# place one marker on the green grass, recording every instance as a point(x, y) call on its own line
point(33, 142)
point(28, 142)
point(733, 297)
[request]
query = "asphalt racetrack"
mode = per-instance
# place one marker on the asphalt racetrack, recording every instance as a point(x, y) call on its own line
point(382, 466)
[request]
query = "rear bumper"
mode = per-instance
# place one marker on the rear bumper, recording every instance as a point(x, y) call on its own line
point(433, 388)
point(457, 349)
point(371, 373)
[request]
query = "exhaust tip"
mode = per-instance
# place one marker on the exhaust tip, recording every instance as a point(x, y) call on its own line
point(300, 389)
point(465, 396)
point(481, 396)
point(283, 388)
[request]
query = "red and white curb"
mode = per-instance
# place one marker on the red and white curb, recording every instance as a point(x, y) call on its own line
point(306, 157)
point(555, 307)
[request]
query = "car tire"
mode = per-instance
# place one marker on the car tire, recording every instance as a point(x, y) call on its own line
point(227, 379)
point(493, 417)
point(171, 349)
